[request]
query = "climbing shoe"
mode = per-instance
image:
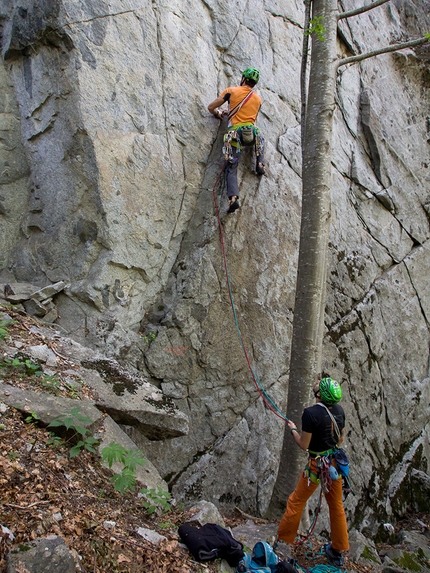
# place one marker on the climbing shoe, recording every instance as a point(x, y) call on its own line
point(233, 207)
point(259, 168)
point(335, 557)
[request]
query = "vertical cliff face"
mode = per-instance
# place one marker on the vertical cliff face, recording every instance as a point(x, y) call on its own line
point(108, 162)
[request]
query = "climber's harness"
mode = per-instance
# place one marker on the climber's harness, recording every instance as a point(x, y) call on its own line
point(239, 137)
point(322, 475)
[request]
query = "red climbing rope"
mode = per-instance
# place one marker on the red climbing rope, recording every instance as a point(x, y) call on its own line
point(265, 397)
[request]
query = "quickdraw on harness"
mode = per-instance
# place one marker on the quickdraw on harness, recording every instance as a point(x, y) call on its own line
point(324, 476)
point(235, 138)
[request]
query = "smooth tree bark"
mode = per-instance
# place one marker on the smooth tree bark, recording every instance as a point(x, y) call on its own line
point(309, 306)
point(308, 322)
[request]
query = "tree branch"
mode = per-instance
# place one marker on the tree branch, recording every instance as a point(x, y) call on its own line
point(361, 10)
point(386, 50)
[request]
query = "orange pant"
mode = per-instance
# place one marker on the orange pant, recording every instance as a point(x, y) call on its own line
point(290, 521)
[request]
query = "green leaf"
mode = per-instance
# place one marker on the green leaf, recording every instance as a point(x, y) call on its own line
point(156, 498)
point(80, 430)
point(90, 448)
point(113, 453)
point(316, 27)
point(89, 443)
point(124, 481)
point(74, 451)
point(53, 440)
point(133, 458)
point(56, 423)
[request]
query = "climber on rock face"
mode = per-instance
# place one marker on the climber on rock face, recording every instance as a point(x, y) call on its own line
point(243, 107)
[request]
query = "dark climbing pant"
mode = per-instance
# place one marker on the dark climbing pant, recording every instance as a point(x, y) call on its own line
point(231, 168)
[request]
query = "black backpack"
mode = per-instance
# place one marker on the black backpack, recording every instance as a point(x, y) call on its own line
point(211, 541)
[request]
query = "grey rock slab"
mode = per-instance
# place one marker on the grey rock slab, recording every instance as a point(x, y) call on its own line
point(35, 308)
point(415, 541)
point(47, 555)
point(224, 567)
point(362, 549)
point(129, 399)
point(205, 512)
point(46, 406)
point(48, 291)
point(21, 291)
point(250, 533)
point(412, 554)
point(43, 353)
point(149, 535)
point(70, 349)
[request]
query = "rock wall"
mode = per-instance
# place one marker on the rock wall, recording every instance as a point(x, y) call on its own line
point(108, 164)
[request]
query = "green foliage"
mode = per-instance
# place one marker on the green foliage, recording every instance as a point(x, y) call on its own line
point(427, 36)
point(167, 525)
point(126, 480)
point(30, 368)
point(408, 561)
point(116, 453)
point(367, 554)
point(316, 27)
point(12, 456)
point(150, 337)
point(32, 418)
point(88, 443)
point(156, 499)
point(4, 323)
point(53, 440)
point(76, 421)
point(72, 392)
point(51, 383)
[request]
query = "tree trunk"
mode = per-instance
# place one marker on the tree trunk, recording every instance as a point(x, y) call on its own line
point(308, 323)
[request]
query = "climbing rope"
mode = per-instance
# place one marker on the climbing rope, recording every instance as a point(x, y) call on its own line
point(264, 395)
point(321, 568)
point(260, 388)
point(314, 521)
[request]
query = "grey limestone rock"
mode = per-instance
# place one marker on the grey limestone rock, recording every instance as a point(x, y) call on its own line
point(44, 555)
point(107, 184)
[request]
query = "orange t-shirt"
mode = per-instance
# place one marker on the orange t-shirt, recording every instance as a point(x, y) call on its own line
point(249, 111)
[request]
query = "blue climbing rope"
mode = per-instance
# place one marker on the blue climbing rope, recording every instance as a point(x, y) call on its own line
point(321, 568)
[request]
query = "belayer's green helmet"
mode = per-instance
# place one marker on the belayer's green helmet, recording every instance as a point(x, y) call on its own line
point(251, 74)
point(330, 391)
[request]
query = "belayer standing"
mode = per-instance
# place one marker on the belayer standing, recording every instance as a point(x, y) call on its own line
point(323, 427)
point(243, 107)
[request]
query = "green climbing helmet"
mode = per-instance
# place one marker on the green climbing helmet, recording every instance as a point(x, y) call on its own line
point(330, 391)
point(251, 74)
